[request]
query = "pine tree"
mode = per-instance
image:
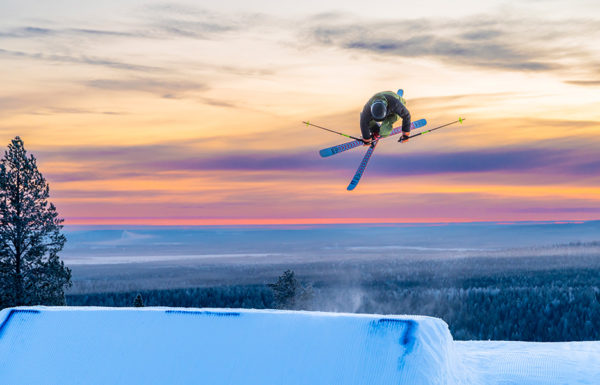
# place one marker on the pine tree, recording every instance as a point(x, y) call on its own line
point(31, 272)
point(289, 293)
point(284, 290)
point(138, 301)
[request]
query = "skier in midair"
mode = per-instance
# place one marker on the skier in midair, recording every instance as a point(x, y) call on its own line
point(380, 113)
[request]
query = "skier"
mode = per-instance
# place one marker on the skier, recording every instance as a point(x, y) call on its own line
point(380, 113)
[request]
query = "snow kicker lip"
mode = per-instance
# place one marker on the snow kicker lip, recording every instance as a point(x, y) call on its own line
point(10, 315)
point(410, 327)
point(205, 313)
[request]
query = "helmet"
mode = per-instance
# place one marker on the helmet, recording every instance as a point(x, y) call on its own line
point(379, 109)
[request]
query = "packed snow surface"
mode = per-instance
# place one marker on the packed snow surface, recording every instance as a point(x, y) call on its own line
point(67, 345)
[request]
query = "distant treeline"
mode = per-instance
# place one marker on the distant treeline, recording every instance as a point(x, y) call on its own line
point(554, 305)
point(246, 297)
point(541, 306)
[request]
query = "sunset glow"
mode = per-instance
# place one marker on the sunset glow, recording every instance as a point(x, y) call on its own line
point(190, 114)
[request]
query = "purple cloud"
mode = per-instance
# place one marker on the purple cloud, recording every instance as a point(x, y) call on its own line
point(544, 210)
point(577, 159)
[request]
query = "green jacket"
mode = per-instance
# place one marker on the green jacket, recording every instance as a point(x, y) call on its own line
point(396, 109)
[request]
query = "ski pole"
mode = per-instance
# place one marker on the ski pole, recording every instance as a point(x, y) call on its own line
point(460, 120)
point(335, 132)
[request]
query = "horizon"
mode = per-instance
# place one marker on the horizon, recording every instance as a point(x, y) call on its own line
point(309, 223)
point(108, 244)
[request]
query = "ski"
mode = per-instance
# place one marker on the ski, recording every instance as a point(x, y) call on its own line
point(362, 167)
point(356, 143)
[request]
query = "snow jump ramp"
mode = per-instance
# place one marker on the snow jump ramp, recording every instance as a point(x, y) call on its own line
point(209, 346)
point(63, 345)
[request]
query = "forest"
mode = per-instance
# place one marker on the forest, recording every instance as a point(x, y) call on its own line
point(540, 305)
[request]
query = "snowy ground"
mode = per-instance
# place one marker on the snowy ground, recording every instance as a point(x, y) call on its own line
point(63, 345)
point(531, 363)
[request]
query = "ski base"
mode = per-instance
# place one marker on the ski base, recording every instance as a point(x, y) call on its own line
point(362, 167)
point(357, 143)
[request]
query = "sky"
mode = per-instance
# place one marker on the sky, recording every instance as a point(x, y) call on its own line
point(143, 112)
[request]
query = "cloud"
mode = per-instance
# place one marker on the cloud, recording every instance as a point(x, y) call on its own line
point(538, 158)
point(155, 21)
point(551, 210)
point(169, 89)
point(26, 32)
point(481, 34)
point(499, 41)
point(178, 20)
point(33, 32)
point(74, 176)
point(98, 32)
point(589, 83)
point(43, 104)
point(245, 72)
point(218, 103)
point(485, 160)
point(13, 103)
point(105, 194)
point(484, 53)
point(82, 59)
point(502, 42)
point(71, 110)
point(111, 154)
point(247, 162)
point(192, 29)
point(149, 159)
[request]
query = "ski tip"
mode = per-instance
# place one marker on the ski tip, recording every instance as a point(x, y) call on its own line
point(350, 187)
point(400, 92)
point(325, 152)
point(419, 123)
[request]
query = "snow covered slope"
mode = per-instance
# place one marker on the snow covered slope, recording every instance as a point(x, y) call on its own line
point(531, 363)
point(62, 345)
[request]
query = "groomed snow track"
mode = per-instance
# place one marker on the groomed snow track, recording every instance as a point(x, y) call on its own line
point(63, 345)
